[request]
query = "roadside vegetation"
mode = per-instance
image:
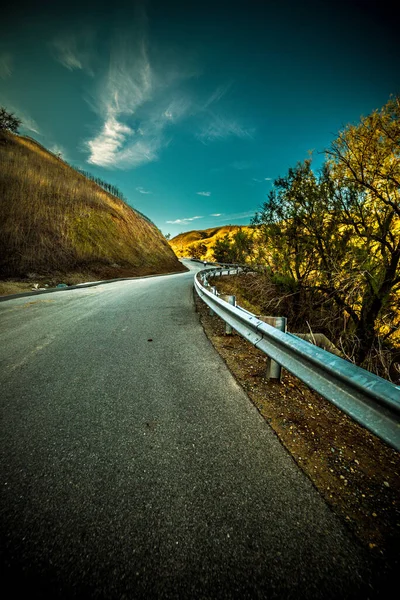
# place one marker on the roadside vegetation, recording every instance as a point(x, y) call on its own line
point(56, 222)
point(325, 246)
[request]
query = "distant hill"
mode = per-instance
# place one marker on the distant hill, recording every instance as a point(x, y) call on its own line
point(56, 221)
point(200, 243)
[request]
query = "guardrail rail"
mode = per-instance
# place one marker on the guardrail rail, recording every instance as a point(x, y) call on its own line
point(370, 400)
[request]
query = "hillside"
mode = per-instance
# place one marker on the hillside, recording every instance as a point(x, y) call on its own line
point(55, 222)
point(200, 243)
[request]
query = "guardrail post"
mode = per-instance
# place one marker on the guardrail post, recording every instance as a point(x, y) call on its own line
point(213, 290)
point(231, 300)
point(274, 369)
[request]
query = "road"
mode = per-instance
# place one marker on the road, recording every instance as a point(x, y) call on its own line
point(134, 466)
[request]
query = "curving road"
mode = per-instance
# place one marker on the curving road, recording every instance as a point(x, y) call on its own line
point(134, 466)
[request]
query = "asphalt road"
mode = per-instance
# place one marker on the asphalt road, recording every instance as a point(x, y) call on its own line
point(134, 466)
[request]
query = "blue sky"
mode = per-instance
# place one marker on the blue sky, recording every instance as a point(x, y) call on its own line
point(193, 108)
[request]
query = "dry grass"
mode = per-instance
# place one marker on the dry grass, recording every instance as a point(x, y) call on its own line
point(14, 287)
point(53, 219)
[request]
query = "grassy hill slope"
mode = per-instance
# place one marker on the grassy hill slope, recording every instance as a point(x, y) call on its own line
point(55, 221)
point(190, 243)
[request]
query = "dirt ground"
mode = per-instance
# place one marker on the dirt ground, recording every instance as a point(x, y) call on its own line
point(356, 473)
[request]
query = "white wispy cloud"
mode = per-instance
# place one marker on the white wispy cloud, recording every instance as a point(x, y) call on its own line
point(137, 103)
point(177, 109)
point(5, 65)
point(183, 221)
point(217, 126)
point(216, 96)
point(231, 216)
point(109, 143)
point(75, 51)
point(242, 215)
point(216, 215)
point(28, 122)
point(142, 190)
point(220, 128)
point(142, 99)
point(128, 86)
point(203, 193)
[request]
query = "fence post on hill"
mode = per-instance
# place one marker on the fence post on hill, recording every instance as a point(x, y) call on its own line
point(274, 369)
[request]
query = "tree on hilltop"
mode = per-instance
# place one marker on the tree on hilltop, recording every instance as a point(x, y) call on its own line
point(8, 121)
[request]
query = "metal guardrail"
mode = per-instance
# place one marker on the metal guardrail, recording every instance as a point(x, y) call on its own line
point(370, 400)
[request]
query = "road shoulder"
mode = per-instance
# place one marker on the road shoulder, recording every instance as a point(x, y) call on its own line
point(357, 474)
